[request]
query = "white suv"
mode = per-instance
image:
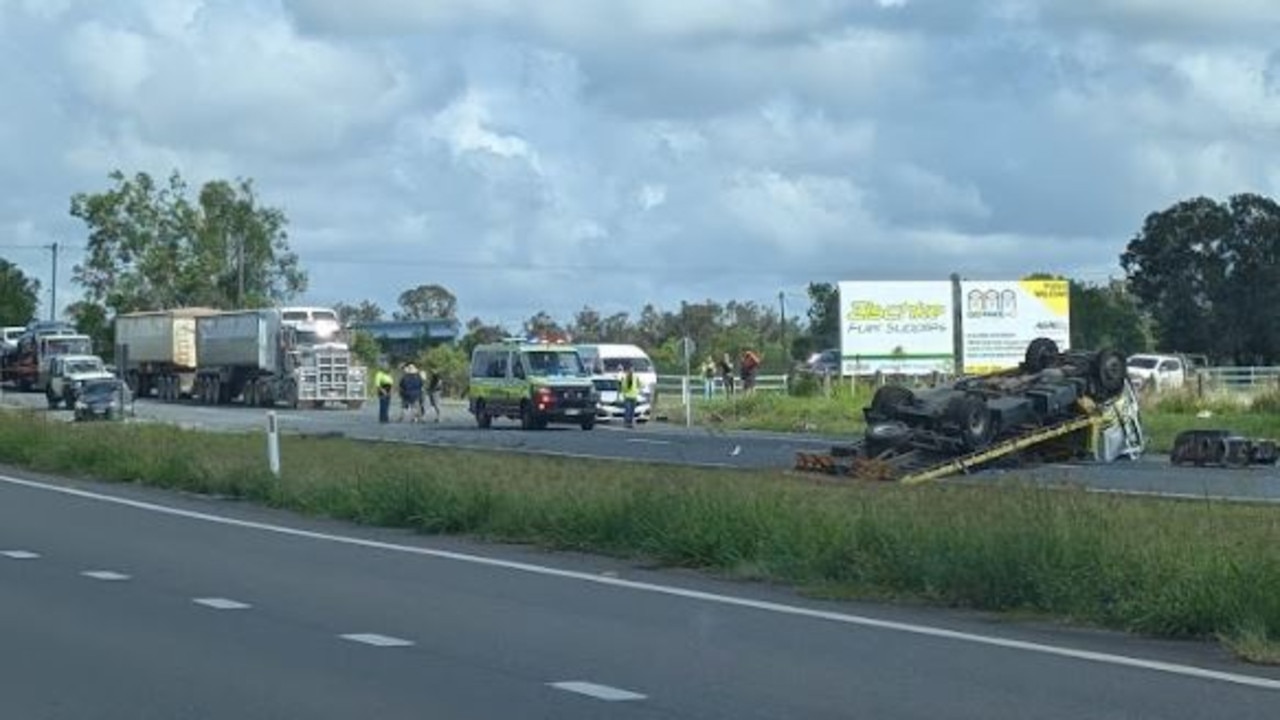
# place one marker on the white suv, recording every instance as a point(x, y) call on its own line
point(1158, 372)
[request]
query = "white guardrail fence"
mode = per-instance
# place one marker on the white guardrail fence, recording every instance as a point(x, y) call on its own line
point(1238, 379)
point(672, 386)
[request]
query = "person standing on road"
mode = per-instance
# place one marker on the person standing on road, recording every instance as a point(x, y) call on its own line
point(382, 380)
point(411, 393)
point(630, 396)
point(433, 392)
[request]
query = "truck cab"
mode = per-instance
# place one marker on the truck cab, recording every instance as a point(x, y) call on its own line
point(67, 374)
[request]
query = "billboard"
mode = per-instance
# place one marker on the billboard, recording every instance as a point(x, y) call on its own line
point(1001, 318)
point(896, 327)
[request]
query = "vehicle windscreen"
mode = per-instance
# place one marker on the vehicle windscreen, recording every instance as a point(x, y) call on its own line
point(83, 366)
point(617, 365)
point(100, 389)
point(547, 363)
point(58, 346)
point(1142, 363)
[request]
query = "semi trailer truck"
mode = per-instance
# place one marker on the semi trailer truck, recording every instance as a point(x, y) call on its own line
point(258, 358)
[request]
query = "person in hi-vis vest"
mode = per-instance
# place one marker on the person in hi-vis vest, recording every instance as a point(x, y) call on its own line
point(630, 396)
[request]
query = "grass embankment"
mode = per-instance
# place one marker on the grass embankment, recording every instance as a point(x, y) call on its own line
point(1163, 416)
point(1175, 569)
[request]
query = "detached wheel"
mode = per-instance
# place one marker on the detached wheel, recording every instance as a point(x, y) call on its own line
point(971, 416)
point(1109, 372)
point(1040, 354)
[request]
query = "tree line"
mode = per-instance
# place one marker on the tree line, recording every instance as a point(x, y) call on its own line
point(1201, 276)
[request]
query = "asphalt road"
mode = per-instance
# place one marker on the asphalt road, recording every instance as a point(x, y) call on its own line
point(131, 603)
point(671, 443)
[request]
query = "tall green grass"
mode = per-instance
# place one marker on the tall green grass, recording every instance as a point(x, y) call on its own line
point(1168, 568)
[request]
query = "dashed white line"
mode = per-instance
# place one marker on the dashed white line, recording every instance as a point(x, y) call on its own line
point(221, 604)
point(777, 608)
point(20, 554)
point(108, 575)
point(377, 640)
point(599, 692)
point(648, 441)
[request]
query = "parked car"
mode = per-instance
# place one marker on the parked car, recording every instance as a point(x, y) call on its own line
point(826, 362)
point(607, 363)
point(1158, 371)
point(103, 399)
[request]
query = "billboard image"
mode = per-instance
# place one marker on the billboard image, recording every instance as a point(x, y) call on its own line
point(896, 327)
point(1000, 318)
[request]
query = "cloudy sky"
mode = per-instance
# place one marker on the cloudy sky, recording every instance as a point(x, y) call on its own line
point(550, 154)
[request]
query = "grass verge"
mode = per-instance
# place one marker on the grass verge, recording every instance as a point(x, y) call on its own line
point(1164, 568)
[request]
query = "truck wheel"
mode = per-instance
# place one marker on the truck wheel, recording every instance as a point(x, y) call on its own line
point(528, 421)
point(889, 398)
point(971, 416)
point(1040, 354)
point(588, 423)
point(1109, 371)
point(51, 398)
point(355, 404)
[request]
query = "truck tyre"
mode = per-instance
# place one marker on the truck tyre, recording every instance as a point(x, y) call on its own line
point(1040, 354)
point(889, 398)
point(1109, 371)
point(51, 398)
point(973, 419)
point(355, 404)
point(589, 423)
point(528, 421)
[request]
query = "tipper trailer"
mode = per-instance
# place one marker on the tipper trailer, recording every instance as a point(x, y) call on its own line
point(156, 351)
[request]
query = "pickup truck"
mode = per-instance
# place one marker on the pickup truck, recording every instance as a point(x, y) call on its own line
point(67, 373)
point(1168, 371)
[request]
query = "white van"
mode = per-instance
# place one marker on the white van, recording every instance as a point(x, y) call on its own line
point(607, 363)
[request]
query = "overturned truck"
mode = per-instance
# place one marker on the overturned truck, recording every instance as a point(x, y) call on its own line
point(1054, 405)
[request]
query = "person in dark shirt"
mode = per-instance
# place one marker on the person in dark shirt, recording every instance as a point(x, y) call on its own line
point(411, 393)
point(433, 392)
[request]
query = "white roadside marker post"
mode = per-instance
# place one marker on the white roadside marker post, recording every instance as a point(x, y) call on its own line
point(273, 443)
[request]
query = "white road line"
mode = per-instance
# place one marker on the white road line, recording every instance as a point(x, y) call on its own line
point(600, 692)
point(221, 604)
point(108, 575)
point(673, 591)
point(377, 640)
point(648, 441)
point(20, 554)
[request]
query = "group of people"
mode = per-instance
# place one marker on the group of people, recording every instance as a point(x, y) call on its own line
point(416, 390)
point(748, 367)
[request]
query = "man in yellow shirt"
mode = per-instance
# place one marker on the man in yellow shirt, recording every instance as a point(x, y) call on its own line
point(630, 396)
point(383, 381)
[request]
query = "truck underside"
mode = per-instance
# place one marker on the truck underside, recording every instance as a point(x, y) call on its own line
point(1054, 406)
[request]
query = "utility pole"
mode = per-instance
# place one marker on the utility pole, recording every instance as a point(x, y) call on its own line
point(53, 287)
point(240, 289)
point(782, 316)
